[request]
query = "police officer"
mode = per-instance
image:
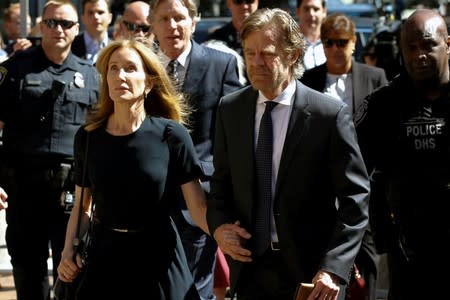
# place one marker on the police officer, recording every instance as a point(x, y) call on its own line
point(46, 92)
point(229, 33)
point(408, 143)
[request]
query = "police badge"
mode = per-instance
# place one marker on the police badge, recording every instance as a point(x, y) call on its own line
point(78, 80)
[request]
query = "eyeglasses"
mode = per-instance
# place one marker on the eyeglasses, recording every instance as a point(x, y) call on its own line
point(53, 23)
point(340, 43)
point(136, 27)
point(238, 2)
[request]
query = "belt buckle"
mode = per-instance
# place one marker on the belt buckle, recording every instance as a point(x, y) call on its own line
point(121, 230)
point(275, 246)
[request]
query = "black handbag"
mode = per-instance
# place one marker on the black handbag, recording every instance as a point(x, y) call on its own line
point(69, 290)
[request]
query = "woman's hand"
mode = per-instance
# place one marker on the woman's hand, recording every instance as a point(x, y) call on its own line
point(69, 268)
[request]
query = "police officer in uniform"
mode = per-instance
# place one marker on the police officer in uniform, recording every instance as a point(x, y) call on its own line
point(229, 33)
point(46, 92)
point(408, 142)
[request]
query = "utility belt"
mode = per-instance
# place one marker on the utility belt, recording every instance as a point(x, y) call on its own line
point(55, 172)
point(35, 162)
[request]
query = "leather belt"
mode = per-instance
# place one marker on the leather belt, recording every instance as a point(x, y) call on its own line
point(124, 230)
point(121, 230)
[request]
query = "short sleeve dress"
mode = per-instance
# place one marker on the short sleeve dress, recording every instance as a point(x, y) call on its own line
point(136, 252)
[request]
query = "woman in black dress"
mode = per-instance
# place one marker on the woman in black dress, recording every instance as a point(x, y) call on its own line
point(138, 152)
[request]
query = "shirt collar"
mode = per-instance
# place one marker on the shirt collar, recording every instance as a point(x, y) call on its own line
point(285, 98)
point(182, 58)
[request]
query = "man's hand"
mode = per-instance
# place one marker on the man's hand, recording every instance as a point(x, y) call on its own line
point(231, 239)
point(21, 44)
point(326, 286)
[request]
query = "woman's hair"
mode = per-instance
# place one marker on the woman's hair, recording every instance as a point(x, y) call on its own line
point(162, 100)
point(289, 35)
point(337, 22)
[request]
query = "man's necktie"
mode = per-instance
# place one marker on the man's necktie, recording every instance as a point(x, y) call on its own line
point(263, 162)
point(172, 71)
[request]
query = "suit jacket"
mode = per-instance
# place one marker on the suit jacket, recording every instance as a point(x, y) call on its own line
point(366, 79)
point(78, 46)
point(211, 74)
point(321, 165)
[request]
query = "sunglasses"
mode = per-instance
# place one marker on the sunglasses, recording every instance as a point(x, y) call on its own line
point(53, 23)
point(238, 2)
point(340, 43)
point(136, 27)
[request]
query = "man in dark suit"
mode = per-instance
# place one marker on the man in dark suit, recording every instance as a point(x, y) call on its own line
point(358, 80)
point(96, 17)
point(317, 185)
point(204, 75)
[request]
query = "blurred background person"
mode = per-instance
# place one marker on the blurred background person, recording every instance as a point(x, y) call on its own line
point(3, 53)
point(382, 49)
point(11, 29)
point(349, 81)
point(203, 75)
point(96, 17)
point(310, 15)
point(134, 22)
point(229, 33)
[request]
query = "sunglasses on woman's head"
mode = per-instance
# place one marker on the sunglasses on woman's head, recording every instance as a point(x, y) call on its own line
point(340, 43)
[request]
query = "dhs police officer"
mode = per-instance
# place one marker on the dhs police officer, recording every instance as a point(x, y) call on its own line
point(46, 92)
point(409, 145)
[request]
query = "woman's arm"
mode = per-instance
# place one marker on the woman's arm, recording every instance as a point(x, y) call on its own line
point(69, 267)
point(196, 203)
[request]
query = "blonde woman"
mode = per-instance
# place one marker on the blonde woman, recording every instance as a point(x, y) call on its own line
point(137, 153)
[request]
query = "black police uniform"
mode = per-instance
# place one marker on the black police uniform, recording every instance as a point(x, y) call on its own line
point(229, 36)
point(42, 105)
point(409, 146)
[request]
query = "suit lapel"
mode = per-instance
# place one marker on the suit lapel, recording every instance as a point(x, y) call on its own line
point(196, 69)
point(294, 133)
point(246, 130)
point(358, 86)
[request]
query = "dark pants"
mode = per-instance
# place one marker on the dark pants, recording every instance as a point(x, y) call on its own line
point(268, 278)
point(419, 277)
point(35, 221)
point(200, 250)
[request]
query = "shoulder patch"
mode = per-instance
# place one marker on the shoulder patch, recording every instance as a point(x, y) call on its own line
point(3, 72)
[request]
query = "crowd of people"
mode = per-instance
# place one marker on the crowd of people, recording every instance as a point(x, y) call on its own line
point(245, 171)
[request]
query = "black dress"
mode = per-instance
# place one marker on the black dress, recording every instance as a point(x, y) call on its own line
point(130, 177)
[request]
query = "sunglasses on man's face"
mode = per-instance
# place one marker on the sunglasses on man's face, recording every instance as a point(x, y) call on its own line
point(239, 2)
point(340, 43)
point(136, 27)
point(53, 23)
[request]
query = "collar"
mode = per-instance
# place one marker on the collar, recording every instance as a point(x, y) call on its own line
point(182, 58)
point(285, 98)
point(89, 40)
